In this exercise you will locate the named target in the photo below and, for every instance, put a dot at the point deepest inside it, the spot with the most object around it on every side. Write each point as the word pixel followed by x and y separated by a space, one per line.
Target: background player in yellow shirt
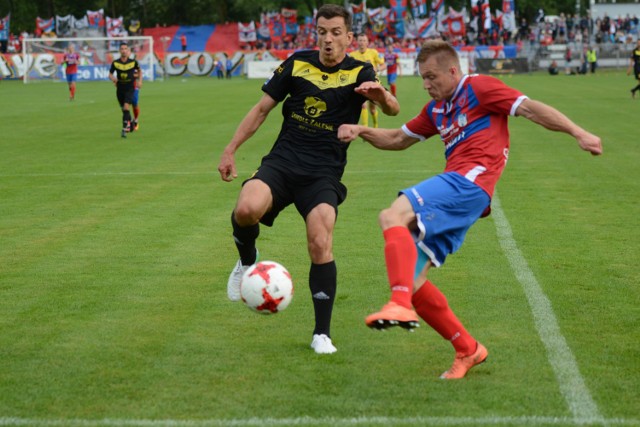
pixel 365 54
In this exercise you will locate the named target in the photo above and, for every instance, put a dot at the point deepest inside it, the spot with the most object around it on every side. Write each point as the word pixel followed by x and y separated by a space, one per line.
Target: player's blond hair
pixel 443 51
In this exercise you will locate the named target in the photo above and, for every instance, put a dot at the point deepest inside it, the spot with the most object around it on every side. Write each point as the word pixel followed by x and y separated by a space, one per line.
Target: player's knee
pixel 246 215
pixel 389 218
pixel 320 249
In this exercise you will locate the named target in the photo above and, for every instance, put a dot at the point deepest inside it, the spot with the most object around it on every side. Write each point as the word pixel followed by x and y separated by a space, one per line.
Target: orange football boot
pixel 461 365
pixel 393 314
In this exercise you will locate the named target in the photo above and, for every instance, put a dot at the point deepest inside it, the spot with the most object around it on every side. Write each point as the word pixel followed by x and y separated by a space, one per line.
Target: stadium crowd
pixel 543 31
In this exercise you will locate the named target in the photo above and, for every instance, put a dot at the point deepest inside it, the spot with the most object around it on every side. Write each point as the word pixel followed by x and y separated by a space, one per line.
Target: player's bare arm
pixel 552 119
pixel 247 127
pixel 375 92
pixel 384 139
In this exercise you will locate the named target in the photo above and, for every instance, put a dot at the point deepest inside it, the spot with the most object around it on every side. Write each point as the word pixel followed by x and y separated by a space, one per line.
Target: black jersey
pixel 635 56
pixel 126 71
pixel 317 100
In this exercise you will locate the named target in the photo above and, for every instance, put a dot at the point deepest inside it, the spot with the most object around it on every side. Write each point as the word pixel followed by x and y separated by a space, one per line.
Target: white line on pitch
pixel 564 364
pixel 311 421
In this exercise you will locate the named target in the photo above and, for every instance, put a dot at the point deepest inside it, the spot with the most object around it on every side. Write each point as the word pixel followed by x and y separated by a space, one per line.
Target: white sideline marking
pixel 564 365
pixel 308 421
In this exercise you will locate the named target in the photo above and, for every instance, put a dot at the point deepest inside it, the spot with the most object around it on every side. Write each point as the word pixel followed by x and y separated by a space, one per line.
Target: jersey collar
pixel 449 104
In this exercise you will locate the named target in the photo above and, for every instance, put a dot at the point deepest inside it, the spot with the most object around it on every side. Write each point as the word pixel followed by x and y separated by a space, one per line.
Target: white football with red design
pixel 266 287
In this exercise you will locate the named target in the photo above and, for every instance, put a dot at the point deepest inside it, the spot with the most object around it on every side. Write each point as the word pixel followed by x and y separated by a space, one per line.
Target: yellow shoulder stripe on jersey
pixel 323 80
pixel 124 67
pixel 370 55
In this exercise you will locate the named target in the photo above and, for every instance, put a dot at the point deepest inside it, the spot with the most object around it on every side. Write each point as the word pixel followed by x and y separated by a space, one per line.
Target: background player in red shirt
pixel 428 221
pixel 391 61
pixel 71 60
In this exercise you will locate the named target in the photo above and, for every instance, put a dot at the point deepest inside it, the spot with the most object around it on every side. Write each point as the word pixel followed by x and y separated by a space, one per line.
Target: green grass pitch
pixel 114 257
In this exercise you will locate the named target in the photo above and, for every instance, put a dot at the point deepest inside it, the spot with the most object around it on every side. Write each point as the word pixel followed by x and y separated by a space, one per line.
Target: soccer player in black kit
pixel 321 90
pixel 634 64
pixel 126 71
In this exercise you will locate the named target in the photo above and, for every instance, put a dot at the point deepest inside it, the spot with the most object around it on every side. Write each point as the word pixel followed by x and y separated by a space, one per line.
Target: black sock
pixel 635 89
pixel 323 283
pixel 126 119
pixel 245 238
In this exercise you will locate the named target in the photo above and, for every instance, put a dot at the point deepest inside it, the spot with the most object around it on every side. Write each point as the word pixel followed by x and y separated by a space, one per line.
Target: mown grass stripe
pixel 310 421
pixel 565 367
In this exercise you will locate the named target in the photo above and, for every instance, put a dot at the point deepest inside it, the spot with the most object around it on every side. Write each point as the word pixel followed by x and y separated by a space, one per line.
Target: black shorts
pixel 305 191
pixel 636 72
pixel 125 94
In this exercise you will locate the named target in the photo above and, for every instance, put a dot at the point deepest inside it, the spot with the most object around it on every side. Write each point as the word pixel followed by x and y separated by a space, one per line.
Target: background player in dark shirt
pixel 634 64
pixel 321 90
pixel 123 73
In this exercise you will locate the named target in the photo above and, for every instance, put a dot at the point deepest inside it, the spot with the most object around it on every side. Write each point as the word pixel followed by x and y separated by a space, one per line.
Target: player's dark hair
pixel 329 11
pixel 123 43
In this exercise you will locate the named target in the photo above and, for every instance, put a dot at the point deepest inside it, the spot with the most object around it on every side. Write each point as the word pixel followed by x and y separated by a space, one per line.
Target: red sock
pixel 136 113
pixel 400 254
pixel 432 306
pixel 393 89
pixel 73 91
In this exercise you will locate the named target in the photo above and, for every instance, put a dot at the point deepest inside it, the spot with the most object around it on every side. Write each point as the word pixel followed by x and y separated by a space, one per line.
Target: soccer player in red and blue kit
pixel 71 60
pixel 429 220
pixel 391 61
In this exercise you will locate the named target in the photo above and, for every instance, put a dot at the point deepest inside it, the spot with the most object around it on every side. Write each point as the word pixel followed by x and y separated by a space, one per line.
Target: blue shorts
pixel 72 77
pixel 446 206
pixel 392 78
pixel 136 93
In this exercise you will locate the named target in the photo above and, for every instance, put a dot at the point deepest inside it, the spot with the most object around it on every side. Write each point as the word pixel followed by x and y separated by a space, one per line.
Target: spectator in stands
pixel 562 28
pixel 553 68
pixel 523 30
pixel 306 164
pixel 183 42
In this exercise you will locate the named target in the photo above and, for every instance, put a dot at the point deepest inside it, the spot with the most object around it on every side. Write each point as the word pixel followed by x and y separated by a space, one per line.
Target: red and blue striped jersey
pixel 72 60
pixel 473 127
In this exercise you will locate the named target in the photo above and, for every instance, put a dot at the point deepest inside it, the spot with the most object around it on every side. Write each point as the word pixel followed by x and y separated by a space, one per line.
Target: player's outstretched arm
pixel 552 119
pixel 247 127
pixel 375 92
pixel 384 139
